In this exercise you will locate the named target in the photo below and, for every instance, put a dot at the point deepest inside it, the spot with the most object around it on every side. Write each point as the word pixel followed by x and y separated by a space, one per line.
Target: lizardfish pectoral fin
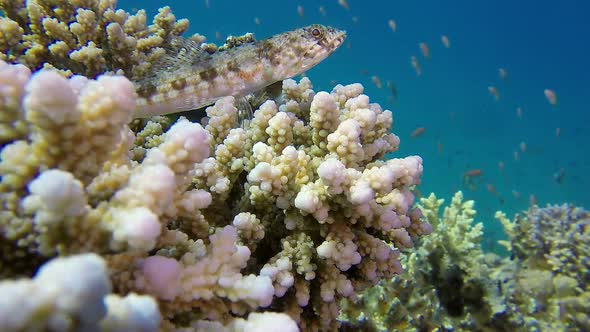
pixel 268 74
pixel 245 113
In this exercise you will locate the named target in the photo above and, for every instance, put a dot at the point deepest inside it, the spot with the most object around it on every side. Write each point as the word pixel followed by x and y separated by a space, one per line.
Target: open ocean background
pixel 542 44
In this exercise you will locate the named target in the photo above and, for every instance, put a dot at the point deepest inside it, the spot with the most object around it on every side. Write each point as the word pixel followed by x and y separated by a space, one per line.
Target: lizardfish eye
pixel 316 32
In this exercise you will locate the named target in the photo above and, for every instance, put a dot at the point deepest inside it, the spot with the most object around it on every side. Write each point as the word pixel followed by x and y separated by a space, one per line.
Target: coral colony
pixel 286 221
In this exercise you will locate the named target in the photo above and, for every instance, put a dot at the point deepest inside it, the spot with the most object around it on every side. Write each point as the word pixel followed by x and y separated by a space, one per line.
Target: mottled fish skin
pixel 192 78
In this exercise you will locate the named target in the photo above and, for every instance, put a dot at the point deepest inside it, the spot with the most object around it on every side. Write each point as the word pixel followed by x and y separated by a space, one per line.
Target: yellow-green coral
pixel 84 37
pixel 548 280
pixel 450 284
pixel 444 285
pixel 12 124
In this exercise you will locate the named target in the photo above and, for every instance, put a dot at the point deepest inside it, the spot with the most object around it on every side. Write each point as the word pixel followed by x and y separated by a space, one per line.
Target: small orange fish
pixel 344 4
pixel 416 65
pixel 392 88
pixel 519 112
pixel 523 147
pixel 516 157
pixel 494 92
pixel 300 11
pixel 392 25
pixel 473 173
pixel 503 73
pixel 377 81
pixel 501 166
pixel 490 187
pixel 425 50
pixel 417 132
pixel 557 132
pixel 322 11
pixel 470 176
pixel 445 41
pixel 559 175
pixel 551 96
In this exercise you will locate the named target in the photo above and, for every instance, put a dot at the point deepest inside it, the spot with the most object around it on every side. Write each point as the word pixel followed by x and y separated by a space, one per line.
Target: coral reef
pixel 85 37
pixel 225 227
pixel 444 287
pixel 450 284
pixel 547 278
pixel 290 219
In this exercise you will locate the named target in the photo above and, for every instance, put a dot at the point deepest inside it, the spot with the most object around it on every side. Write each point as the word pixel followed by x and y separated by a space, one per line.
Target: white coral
pixel 138 227
pixel 55 195
pixel 185 144
pixel 217 273
pixel 131 313
pixel 68 294
pixel 50 98
pixel 333 174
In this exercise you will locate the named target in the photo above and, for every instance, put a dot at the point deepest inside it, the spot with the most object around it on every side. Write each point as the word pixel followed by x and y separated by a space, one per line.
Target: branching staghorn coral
pixel 286 216
pixel 450 284
pixel 85 37
pixel 548 279
pixel 445 284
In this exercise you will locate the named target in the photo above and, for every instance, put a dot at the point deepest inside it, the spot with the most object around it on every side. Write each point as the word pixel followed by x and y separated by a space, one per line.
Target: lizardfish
pixel 190 78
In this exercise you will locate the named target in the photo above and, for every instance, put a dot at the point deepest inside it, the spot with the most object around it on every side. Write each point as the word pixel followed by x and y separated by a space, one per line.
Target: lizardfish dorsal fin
pixel 181 53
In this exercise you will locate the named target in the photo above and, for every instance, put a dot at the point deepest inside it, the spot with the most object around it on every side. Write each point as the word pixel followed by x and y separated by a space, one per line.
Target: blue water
pixel 542 44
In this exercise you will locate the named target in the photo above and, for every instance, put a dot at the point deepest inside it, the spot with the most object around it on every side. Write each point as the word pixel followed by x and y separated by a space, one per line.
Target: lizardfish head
pixel 297 51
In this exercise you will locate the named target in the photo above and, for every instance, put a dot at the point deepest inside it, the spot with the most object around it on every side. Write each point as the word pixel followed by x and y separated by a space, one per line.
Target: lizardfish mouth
pixel 336 38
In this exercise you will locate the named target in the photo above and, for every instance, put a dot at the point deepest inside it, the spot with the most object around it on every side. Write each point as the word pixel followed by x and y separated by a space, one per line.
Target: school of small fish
pixel 425 50
pixel 445 40
pixel 392 25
